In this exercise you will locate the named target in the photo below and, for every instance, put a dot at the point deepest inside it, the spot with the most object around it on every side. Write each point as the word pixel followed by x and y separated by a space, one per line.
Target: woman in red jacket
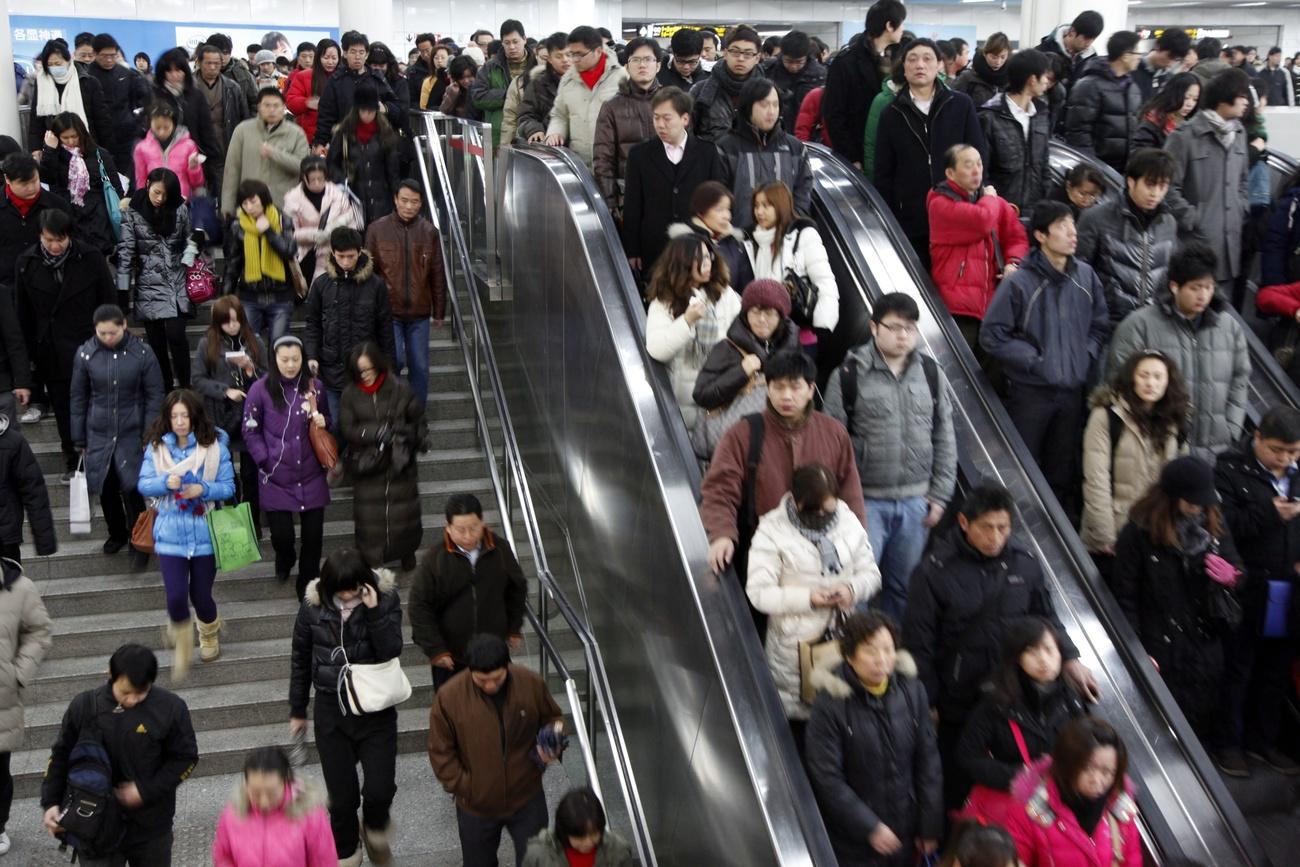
pixel 307 85
pixel 808 125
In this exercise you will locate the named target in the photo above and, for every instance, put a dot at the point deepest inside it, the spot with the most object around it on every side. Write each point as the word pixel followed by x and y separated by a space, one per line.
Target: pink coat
pixel 340 210
pixel 1048 835
pixel 295 835
pixel 149 155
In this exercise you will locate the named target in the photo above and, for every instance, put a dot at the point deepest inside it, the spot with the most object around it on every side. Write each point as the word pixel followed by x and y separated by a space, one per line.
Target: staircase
pixel 240 700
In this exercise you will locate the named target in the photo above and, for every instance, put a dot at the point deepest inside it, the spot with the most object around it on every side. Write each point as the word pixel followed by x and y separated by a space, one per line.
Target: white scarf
pixel 207 457
pixel 49 102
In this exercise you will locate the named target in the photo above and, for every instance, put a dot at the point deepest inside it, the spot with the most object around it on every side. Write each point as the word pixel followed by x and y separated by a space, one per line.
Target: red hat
pixel 766 293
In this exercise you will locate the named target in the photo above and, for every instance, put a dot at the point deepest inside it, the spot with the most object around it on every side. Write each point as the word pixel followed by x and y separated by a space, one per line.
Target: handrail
pixel 597 683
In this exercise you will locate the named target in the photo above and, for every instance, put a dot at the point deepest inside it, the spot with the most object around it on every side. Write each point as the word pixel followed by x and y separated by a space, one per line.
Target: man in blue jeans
pixel 408 255
pixel 895 404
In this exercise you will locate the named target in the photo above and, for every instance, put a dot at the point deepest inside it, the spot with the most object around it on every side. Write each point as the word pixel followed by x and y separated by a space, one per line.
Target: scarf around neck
pixel 204 460
pixel 1193 538
pixel 50 101
pixel 820 538
pixel 55 263
pixel 592 76
pixel 366 131
pixel 24 206
pixel 1224 130
pixel 78 176
pixel 260 258
pixel 374 386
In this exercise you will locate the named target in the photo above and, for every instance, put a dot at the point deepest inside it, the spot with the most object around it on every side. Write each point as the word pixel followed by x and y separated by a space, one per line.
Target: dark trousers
pixel 480 838
pixel 121 508
pixel 246 488
pixel 343 742
pixel 1256 682
pixel 166 335
pixel 12 551
pixel 189 580
pixel 60 395
pixel 6 790
pixel 155 851
pixel 282 540
pixel 956 783
pixel 1050 421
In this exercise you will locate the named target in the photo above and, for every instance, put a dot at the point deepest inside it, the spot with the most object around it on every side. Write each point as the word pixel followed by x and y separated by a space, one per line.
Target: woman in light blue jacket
pixel 186 467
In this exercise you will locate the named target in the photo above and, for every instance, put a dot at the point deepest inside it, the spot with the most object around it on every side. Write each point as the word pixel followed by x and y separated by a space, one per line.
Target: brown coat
pixel 818 439
pixel 409 258
pixel 623 122
pixel 465 742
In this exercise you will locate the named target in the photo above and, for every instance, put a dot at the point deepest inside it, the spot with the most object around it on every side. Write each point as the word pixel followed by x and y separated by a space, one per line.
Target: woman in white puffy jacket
pixel 799 249
pixel 810 556
pixel 691 308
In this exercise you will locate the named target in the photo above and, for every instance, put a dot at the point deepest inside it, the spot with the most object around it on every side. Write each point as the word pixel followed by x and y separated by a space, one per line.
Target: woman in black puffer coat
pixel 358 609
pixel 986 77
pixel 365 154
pixel 72 143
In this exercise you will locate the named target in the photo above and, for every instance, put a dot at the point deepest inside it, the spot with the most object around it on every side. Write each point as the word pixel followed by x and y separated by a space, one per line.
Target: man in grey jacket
pixel 895 404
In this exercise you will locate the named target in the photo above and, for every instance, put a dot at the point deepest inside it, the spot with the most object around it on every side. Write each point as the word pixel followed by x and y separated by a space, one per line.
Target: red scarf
pixel 591 76
pixel 24 206
pixel 366 131
pixel 371 389
pixel 578 859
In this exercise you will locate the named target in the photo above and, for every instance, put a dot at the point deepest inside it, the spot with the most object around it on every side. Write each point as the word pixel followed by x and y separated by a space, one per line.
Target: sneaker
pixel 1277 760
pixel 4 843
pixel 1232 762
pixel 112 546
pixel 31 416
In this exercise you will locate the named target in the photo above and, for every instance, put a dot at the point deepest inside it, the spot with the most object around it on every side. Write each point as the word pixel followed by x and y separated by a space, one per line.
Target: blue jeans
pixel 335 400
pixel 276 316
pixel 411 346
pixel 897 532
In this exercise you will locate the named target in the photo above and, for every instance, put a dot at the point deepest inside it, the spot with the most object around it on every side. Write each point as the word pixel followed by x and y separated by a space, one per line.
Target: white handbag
pixel 371 687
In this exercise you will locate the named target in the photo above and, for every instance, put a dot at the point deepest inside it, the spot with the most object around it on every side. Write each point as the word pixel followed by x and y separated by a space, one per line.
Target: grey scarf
pixel 55 263
pixel 1193 538
pixel 1224 130
pixel 820 536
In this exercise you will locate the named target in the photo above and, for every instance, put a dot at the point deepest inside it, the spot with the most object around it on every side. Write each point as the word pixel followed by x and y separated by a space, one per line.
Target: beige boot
pixel 180 636
pixel 209 642
pixel 353 860
pixel 379 843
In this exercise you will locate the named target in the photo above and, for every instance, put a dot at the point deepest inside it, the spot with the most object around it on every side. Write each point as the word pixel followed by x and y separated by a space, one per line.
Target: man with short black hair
pixel 1102 112
pixel 419 70
pixel 593 80
pixel 625 120
pixel 960 58
pixel 856 76
pixel 237 70
pixel 683 70
pixel 125 93
pixel 1274 82
pixel 1017 127
pixel 716 96
pixel 264 148
pixel 1073 41
pixel 340 90
pixel 1210 62
pixel 483 39
pixel 709 50
pixel 796 72
pixel 1170 50
pixel 83 50
pixel 488 94
pixel 539 92
pixel 225 100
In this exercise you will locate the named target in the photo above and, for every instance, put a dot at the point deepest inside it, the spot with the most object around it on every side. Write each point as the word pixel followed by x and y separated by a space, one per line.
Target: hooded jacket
pixel 800 250
pixel 345 308
pixel 26 631
pixel 752 159
pixel 968 232
pixel 722 378
pixel 546 850
pixel 409 258
pixel 1017 168
pixel 855 72
pixel 988 751
pixel 1212 354
pixel 244 160
pixel 181 527
pixel 715 101
pixel 312 227
pixel 785 569
pixel 1047 327
pixel 56 311
pixel 338 95
pixel 623 123
pixel 671 341
pixel 980 81
pixel 792 87
pixel 150 155
pixel 1101 114
pixel 1047 832
pixel 1130 251
pixel 1208 195
pixel 295 834
pixel 155 264
pixel 1053 43
pixel 577 107
pixel 290 478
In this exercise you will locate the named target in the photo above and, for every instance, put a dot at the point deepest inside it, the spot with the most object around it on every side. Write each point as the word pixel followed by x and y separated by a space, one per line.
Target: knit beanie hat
pixel 766 293
pixel 266 55
pixel 366 96
pixel 1191 479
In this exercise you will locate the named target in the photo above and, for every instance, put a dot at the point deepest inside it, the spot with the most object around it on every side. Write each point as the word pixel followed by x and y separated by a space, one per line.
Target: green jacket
pixel 244 159
pixel 545 850
pixel 888 90
pixel 488 92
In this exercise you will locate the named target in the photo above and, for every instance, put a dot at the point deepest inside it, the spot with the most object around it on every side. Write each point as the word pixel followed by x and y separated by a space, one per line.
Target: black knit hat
pixel 1190 479
pixel 366 96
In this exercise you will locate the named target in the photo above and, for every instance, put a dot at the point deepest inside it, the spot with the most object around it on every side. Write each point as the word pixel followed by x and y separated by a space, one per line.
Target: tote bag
pixel 234 542
pixel 370 687
pixel 819 654
pixel 79 502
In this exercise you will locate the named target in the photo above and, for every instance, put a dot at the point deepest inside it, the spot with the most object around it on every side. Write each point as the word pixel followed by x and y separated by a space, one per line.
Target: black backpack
pixel 849 388
pixel 91 818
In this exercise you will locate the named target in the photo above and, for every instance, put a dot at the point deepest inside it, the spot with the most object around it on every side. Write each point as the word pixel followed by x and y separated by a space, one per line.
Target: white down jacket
pixel 673 342
pixel 809 261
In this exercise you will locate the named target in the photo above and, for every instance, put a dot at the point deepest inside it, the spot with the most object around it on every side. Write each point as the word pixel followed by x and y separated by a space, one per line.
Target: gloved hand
pixel 1221 571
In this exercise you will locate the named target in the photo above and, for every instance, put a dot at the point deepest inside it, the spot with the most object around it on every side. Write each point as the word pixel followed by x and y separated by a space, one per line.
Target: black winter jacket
pixel 57 312
pixel 1101 114
pixel 722 377
pixel 874 760
pixel 954 640
pixel 715 102
pixel 1130 252
pixel 451 601
pixel 535 108
pixel 854 78
pixel 18 232
pixel 344 309
pixel 792 87
pixel 371 171
pixel 988 751
pixel 211 382
pixel 266 291
pixel 92 217
pixel 22 489
pixel 980 81
pixel 151 745
pixel 670 77
pixel 1149 134
pixel 730 247
pixel 1017 169
pixel 657 194
pixel 336 101
pixel 99 123
pixel 751 159
pixel 125 91
pixel 15 367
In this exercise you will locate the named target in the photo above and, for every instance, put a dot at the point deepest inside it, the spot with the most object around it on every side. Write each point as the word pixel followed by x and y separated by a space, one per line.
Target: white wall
pixel 316 13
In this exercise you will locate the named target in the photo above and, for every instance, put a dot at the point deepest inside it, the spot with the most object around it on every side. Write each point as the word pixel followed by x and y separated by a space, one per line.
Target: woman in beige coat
pixel 1137 424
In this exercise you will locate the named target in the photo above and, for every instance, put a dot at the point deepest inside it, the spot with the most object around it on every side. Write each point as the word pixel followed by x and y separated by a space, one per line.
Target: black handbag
pixel 803 292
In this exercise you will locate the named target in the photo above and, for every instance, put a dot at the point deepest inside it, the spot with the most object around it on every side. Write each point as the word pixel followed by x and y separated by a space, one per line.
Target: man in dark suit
pixel 662 174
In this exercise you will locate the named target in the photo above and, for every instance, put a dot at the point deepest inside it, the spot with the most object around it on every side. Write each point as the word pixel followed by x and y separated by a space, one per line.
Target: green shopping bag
pixel 234 543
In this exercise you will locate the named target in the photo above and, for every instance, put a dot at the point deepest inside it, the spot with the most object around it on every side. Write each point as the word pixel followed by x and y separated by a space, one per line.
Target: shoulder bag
pixel 322 441
pixel 710 425
pixel 142 532
pixel 819 653
pixel 112 201
pixel 370 687
pixel 803 291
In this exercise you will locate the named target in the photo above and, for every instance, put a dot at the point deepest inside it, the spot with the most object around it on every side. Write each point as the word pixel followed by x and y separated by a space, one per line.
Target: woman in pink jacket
pixel 1076 808
pixel 169 146
pixel 273 820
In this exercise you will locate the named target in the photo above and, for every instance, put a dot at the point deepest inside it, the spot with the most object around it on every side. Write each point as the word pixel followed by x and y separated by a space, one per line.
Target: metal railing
pixel 471 331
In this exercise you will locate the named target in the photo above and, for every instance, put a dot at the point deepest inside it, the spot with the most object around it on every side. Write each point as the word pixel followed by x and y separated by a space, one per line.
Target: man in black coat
pixel 662 175
pixel 469 584
pixel 796 73
pixel 336 99
pixel 21 206
pixel 716 97
pixel 126 93
pixel 1073 41
pixel 1101 114
pixel 855 77
pixel 683 69
pixel 1257 481
pixel 916 129
pixel 22 489
pixel 1017 164
pixel 151 747
pixel 1171 47
pixel 421 69
pixel 972 581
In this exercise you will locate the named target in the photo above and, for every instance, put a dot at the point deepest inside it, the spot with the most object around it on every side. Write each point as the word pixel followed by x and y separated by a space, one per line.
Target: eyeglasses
pixel 1087 197
pixel 907 328
pixel 575 56
pixel 742 53
pixel 642 60
pixel 686 62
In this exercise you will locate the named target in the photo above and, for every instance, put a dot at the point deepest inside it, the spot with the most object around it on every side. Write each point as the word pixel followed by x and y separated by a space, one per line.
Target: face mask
pixel 817 520
pixel 60 73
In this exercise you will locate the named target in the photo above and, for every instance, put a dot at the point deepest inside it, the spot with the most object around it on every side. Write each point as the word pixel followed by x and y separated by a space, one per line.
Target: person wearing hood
pixel 186 469
pixel 488 93
pixel 26 635
pixel 1047 327
pixel 168 145
pixel 757 152
pixel 860 69
pixel 1074 41
pixel 174 87
pixel 1103 110
pixel 274 819
pixel 987 75
pixel 1018 126
pixel 1071 807
pixel 539 91
pixel 264 148
pixel 710 220
pixel 683 69
pixel 717 96
pixel 581 836
pixel 339 96
pixel 1190 324
pixel 315 208
pixel 365 154
pixel 796 73
pixel 61 87
pixel 593 79
pixel 871 753
pixel 916 129
pixel 358 608
pixel 625 121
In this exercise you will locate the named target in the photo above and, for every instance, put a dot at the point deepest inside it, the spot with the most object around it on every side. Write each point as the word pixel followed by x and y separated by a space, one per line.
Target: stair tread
pixel 84 624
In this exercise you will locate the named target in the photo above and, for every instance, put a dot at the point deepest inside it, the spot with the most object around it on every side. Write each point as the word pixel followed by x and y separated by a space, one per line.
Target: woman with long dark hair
pixel 711 205
pixel 173 84
pixel 61 87
pixel 76 168
pixel 306 85
pixel 186 468
pixel 1171 105
pixel 365 153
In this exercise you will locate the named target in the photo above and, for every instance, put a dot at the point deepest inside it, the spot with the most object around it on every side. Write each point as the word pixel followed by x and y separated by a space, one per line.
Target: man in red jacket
pixel 976 239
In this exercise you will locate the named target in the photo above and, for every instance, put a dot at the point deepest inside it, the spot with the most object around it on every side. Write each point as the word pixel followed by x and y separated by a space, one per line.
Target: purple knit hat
pixel 766 293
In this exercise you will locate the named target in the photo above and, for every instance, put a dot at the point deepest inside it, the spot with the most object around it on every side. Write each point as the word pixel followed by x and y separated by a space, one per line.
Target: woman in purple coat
pixel 290 480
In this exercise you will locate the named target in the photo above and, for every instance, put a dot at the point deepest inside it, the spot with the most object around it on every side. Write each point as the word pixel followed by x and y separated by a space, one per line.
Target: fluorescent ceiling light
pixel 1244 5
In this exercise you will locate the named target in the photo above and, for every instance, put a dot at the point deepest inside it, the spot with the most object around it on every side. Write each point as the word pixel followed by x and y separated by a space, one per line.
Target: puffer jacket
pixel 964 229
pixel 715 102
pixel 1047 327
pixel 623 122
pixel 409 258
pixel 792 87
pixel 1208 194
pixel 576 107
pixel 212 380
pixel 904 447
pixel 1212 355
pixel 809 260
pixel 1101 114
pixel 344 309
pixel 752 159
pixel 56 312
pixel 93 223
pixel 155 265
pixel 116 394
pixel 1130 251
pixel 1116 478
pixel 547 850
pixel 290 478
pixel 337 209
pixel 535 108
pixel 339 93
pixel 1276 263
pixel 988 751
pixel 671 341
pixel 150 155
pixel 22 489
pixel 370 635
pixel 785 568
pixel 295 834
pixel 26 634
pixel 873 760
pixel 1047 834
pixel 371 171
pixel 1017 169
pixel 722 378
pixel 980 81
pixel 181 527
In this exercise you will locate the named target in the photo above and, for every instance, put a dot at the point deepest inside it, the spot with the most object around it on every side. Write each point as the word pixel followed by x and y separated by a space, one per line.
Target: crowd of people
pixel 905 627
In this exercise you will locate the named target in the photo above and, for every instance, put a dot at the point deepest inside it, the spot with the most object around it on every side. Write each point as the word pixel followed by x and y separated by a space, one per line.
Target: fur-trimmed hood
pixel 364 271
pixel 828 677
pixel 301 797
pixel 681 230
pixel 1034 788
pixel 387 582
